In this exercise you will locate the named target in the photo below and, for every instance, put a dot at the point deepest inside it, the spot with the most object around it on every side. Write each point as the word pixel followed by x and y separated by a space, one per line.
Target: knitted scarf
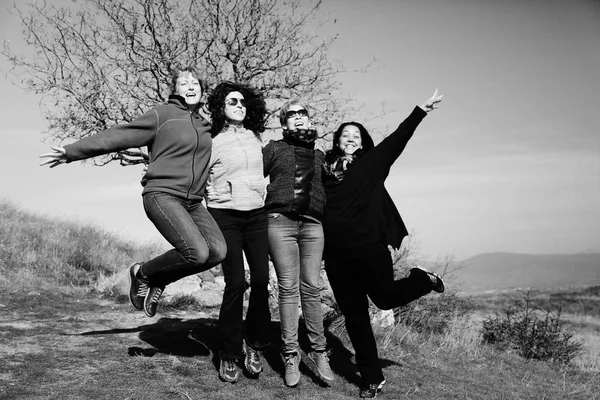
pixel 301 137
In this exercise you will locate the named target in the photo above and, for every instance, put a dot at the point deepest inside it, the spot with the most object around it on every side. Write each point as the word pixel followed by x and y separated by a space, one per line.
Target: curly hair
pixel 256 109
pixel 335 151
pixel 178 71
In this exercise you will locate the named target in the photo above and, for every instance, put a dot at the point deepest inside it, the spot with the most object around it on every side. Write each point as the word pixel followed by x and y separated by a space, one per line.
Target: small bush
pixel 534 333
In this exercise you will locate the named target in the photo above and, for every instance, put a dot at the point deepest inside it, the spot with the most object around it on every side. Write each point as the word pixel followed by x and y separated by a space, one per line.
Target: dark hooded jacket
pixel 359 209
pixel 179 146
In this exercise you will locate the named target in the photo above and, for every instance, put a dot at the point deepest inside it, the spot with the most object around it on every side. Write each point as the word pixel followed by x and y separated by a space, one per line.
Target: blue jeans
pixel 244 231
pixel 296 246
pixel 186 224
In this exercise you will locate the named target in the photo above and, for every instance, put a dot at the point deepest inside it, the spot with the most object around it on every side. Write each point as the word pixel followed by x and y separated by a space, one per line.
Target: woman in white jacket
pixel 235 198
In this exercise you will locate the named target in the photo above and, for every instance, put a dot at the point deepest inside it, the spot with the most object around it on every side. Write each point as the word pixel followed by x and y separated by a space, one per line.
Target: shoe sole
pixel 148 313
pixel 294 384
pixel 247 366
pixel 326 379
pixel 227 380
pixel 146 308
pixel 436 287
pixel 131 276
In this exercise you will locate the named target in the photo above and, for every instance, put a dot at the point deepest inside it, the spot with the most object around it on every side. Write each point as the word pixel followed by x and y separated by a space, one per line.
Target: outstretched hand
pixel 433 102
pixel 57 157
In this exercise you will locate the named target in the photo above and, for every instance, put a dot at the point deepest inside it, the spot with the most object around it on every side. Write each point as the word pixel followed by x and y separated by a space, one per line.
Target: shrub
pixel 534 333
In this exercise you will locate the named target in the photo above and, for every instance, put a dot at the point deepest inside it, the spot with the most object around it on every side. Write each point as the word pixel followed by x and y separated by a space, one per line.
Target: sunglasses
pixel 299 113
pixel 233 101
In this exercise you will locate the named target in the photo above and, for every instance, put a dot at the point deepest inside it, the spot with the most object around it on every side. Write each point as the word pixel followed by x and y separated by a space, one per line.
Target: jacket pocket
pixel 250 191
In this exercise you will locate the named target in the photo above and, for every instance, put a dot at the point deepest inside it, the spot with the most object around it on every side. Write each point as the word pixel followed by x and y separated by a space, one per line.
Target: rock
pixel 383 318
pixel 207 292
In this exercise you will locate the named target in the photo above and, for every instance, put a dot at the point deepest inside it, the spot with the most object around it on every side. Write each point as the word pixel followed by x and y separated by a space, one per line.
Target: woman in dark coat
pixel 360 221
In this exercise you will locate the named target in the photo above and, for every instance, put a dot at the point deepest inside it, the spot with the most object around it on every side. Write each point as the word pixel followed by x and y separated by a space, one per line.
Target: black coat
pixel 359 210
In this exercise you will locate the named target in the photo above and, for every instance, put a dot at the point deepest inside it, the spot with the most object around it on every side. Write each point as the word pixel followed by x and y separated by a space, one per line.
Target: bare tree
pixel 104 62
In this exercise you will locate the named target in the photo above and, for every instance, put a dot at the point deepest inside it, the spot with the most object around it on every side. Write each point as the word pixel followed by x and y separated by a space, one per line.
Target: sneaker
pixel 151 300
pixel 137 287
pixel 228 371
pixel 437 284
pixel 252 361
pixel 292 370
pixel 370 391
pixel 321 360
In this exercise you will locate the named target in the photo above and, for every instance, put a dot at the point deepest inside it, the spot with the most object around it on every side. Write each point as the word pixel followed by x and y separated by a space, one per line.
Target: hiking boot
pixel 151 300
pixel 252 361
pixel 437 284
pixel 292 370
pixel 321 360
pixel 137 287
pixel 370 391
pixel 228 371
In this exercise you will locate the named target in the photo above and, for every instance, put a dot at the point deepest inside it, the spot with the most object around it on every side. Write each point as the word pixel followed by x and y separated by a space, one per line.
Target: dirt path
pixel 68 344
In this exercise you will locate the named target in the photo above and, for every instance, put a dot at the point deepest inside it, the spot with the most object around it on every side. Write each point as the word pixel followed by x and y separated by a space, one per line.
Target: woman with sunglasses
pixel 360 221
pixel 235 198
pixel 179 145
pixel 295 203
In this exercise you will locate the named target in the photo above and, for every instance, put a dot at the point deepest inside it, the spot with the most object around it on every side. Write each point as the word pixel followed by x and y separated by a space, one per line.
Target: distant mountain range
pixel 504 271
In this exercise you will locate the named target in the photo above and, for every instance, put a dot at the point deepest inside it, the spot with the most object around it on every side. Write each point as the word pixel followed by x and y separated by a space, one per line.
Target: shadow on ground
pixel 200 338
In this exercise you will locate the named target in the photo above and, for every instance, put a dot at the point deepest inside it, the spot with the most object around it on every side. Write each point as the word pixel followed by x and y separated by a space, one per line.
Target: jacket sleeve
pixel 267 158
pixel 383 156
pixel 139 132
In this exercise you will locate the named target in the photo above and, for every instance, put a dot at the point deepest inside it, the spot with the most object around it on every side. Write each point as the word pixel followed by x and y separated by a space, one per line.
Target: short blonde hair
pixel 286 107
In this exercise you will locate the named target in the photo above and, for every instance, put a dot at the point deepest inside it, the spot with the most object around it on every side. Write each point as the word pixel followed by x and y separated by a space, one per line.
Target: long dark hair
pixel 256 109
pixel 335 152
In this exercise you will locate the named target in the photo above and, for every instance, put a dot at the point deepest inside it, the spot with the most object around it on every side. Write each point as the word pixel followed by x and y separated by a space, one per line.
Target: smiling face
pixel 235 108
pixel 350 139
pixel 297 118
pixel 188 87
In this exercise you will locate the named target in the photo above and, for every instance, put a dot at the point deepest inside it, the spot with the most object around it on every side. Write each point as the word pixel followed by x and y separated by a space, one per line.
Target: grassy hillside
pixel 65 341
pixel 37 250
pixel 499 271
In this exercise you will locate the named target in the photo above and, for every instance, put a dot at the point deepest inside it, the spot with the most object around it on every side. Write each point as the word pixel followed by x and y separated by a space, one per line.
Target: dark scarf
pixel 300 137
pixel 336 165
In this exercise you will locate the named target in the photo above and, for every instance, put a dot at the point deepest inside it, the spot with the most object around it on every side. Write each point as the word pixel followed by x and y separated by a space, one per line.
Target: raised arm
pixel 432 103
pixel 385 153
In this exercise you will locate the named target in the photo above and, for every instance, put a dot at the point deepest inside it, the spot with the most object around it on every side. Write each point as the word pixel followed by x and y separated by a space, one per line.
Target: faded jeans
pixel 296 247
pixel 186 224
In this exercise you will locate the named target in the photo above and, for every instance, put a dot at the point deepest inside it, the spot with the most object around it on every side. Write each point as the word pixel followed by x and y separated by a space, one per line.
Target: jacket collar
pixel 179 102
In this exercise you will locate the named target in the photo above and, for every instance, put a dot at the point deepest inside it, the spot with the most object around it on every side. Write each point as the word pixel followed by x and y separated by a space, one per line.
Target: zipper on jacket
pixel 193 155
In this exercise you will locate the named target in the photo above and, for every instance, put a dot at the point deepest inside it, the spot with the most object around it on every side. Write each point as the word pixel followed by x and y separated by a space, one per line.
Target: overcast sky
pixel 509 162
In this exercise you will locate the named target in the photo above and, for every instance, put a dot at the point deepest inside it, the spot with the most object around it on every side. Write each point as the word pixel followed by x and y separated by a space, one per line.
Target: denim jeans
pixel 357 272
pixel 296 246
pixel 244 231
pixel 186 224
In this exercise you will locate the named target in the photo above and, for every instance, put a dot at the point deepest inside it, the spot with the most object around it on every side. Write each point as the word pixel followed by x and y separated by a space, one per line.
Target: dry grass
pixel 65 344
pixel 35 250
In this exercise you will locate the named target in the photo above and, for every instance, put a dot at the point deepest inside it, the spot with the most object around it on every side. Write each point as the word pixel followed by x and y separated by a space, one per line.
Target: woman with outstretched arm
pixel 179 145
